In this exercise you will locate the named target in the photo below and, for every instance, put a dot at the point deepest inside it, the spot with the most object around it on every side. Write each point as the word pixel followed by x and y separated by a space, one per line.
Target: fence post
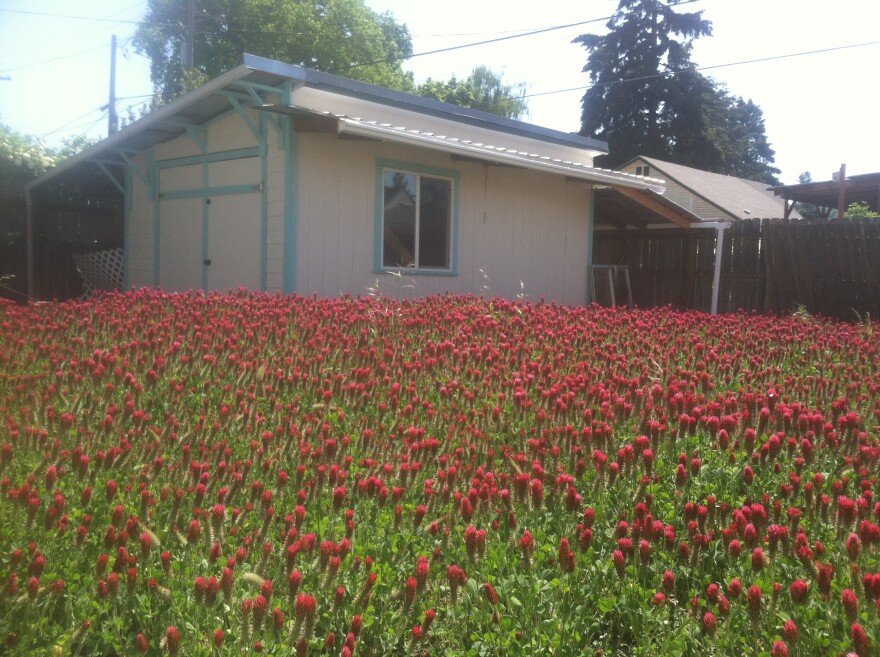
pixel 716 277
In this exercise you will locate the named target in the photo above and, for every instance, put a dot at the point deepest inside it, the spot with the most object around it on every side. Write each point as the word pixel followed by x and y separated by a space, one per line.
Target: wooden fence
pixel 60 231
pixel 828 267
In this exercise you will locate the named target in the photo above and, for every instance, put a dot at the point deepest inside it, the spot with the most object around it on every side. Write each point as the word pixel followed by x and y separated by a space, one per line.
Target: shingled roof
pixel 734 198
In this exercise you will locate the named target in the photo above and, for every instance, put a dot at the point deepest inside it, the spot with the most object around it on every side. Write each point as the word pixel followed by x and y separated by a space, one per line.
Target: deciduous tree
pixel 335 36
pixel 483 90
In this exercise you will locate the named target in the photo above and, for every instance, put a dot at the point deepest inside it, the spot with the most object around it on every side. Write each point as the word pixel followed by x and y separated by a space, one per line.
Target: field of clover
pixel 227 474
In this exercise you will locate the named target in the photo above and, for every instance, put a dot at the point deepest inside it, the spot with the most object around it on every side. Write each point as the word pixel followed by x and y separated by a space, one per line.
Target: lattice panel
pixel 100 271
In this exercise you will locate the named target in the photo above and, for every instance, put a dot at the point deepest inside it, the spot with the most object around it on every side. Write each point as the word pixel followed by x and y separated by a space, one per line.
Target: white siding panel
pixel 175 179
pixel 180 245
pixel 275 217
pixel 234 242
pixel 182 146
pixel 516 225
pixel 141 232
pixel 230 132
pixel 245 171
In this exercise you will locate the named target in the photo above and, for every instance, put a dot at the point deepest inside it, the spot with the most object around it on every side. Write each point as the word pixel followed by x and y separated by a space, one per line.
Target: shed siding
pixel 515 225
pixel 140 230
pixel 275 225
pixel 179 249
pixel 527 231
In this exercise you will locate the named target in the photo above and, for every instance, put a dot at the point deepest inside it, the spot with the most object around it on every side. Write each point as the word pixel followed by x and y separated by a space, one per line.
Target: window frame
pixel 382 166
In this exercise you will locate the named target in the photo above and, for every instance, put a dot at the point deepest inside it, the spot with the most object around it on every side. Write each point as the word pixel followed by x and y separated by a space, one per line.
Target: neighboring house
pixel 711 196
pixel 833 195
pixel 279 178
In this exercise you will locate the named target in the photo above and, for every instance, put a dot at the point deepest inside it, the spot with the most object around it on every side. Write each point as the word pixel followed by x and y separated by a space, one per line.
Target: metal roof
pixel 493 153
pixel 208 102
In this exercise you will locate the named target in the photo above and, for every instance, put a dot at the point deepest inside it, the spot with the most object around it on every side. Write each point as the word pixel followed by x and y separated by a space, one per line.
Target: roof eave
pixel 152 119
pixel 403 100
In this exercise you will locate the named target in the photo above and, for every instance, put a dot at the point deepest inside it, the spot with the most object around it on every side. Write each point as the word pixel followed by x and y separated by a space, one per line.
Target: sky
pixel 811 67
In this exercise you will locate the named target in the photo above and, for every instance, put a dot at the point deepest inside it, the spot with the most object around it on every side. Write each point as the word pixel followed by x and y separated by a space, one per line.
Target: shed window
pixel 643 171
pixel 416 220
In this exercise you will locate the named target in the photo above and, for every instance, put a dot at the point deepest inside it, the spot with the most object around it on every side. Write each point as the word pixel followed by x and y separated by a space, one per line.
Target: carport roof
pixel 863 188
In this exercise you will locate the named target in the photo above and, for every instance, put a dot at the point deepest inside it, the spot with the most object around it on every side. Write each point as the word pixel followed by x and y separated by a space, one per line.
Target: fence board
pixel 827 266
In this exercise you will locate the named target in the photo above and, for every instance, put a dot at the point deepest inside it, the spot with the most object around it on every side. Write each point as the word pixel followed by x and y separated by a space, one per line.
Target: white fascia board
pixel 332 104
pixel 501 155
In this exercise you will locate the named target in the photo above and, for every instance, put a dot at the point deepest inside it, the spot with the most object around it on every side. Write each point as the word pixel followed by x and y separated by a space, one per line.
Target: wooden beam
pixel 654 205
pixel 328 125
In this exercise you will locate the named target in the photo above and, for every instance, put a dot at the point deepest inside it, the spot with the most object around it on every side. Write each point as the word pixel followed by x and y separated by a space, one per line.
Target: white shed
pixel 278 178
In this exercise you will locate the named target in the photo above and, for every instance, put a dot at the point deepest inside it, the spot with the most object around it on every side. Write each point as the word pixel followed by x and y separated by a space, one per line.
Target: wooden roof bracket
pixel 652 204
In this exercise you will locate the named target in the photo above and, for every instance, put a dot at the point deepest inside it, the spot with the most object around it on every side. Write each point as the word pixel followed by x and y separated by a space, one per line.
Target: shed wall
pixel 528 232
pixel 520 233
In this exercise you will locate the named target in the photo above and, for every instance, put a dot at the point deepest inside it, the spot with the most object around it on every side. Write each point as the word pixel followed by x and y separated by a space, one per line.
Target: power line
pixel 67 125
pixel 707 68
pixel 55 59
pixel 68 35
pixel 68 16
pixel 498 39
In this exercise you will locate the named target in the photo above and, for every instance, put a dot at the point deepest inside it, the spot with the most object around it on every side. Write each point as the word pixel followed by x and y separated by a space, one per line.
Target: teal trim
pixel 199 134
pixel 219 156
pixel 126 230
pixel 378 218
pixel 223 190
pixel 397 165
pixel 206 224
pixel 591 227
pixel 153 190
pixel 157 223
pixel 242 112
pixel 111 178
pixel 291 206
pixel 264 202
pixel 133 168
pixel 277 127
pixel 255 87
pixel 406 271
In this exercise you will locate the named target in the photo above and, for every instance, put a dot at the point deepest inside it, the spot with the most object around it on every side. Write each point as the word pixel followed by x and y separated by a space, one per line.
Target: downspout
pixel 29 239
pixel 719 252
pixel 591 227
pixel 720 227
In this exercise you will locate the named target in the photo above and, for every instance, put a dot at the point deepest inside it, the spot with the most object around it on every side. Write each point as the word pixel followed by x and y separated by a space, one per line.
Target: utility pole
pixel 112 118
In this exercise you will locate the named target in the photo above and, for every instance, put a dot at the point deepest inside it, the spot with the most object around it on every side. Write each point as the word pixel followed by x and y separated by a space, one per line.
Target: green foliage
pixel 338 36
pixel 482 90
pixel 23 157
pixel 646 98
pixel 344 37
pixel 860 210
pixel 807 210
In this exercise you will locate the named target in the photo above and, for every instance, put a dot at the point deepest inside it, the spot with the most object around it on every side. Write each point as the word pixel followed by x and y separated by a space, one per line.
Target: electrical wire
pixel 69 16
pixel 67 36
pixel 54 59
pixel 68 124
pixel 692 69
